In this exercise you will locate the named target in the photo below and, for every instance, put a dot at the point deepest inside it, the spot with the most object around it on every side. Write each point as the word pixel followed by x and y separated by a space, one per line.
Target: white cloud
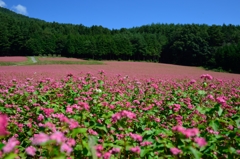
pixel 2 4
pixel 20 9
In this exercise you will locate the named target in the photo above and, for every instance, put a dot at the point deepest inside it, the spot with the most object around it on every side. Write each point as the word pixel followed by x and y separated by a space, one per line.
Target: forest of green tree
pixel 213 47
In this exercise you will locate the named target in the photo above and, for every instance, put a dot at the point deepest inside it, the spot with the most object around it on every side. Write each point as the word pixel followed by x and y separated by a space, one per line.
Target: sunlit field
pixel 118 110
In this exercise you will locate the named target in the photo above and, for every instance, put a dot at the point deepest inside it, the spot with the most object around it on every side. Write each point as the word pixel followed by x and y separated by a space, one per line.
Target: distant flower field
pixel 130 110
pixel 13 59
pixel 58 59
pixel 112 68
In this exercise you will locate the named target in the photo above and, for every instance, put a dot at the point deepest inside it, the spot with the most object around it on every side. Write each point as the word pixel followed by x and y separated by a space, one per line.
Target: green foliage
pixel 214 47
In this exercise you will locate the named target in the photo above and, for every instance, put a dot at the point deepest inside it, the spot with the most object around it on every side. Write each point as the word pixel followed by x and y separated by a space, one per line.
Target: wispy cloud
pixel 2 4
pixel 20 9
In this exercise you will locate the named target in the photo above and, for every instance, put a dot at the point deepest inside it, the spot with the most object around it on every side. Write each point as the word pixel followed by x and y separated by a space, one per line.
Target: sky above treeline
pixel 116 14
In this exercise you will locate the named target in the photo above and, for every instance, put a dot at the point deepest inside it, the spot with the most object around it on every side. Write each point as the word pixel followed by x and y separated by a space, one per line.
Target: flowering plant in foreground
pixel 101 117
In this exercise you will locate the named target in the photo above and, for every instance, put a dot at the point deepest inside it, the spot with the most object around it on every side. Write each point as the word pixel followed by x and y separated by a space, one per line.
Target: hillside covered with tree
pixel 185 44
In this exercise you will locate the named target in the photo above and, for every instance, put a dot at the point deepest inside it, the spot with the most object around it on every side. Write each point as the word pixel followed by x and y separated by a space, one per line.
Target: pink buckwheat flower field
pixel 13 59
pixel 59 59
pixel 118 110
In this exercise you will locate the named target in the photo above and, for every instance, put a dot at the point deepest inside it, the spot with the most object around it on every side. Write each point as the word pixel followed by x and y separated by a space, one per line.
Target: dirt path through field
pixel 33 59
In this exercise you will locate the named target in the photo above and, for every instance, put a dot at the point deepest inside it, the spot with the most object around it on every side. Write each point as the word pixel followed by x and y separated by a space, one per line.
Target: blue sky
pixel 116 14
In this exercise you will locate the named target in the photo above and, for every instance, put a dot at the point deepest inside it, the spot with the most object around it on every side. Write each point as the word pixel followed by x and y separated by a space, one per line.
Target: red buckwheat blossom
pixel 221 100
pixel 207 76
pixel 135 149
pixel 124 113
pixel 57 136
pixel 92 132
pixel 71 142
pixel 31 150
pixel 107 155
pixel 3 125
pixel 115 150
pixel 238 152
pixel 176 107
pixel 66 148
pixel 39 138
pixel 187 132
pixel 146 143
pixel 12 142
pixel 200 141
pixel 136 137
pixel 175 151
pixel 40 117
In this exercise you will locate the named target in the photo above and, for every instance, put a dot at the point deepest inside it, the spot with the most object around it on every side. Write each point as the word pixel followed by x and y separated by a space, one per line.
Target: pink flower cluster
pixel 99 149
pixel 192 81
pixel 175 151
pixel 187 132
pixel 40 117
pixel 200 141
pixel 207 76
pixel 106 155
pixel 211 131
pixel 92 132
pixel 176 107
pixel 146 143
pixel 154 85
pixel 136 149
pixel 191 132
pixel 72 123
pixel 84 105
pixel 10 145
pixel 124 113
pixel 221 100
pixel 3 125
pixel 31 150
pixel 136 137
pixel 38 139
pixel 48 111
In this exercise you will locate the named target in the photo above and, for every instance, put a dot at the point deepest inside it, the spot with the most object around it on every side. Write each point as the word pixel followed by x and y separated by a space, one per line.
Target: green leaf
pixel 60 157
pixel 144 152
pixel 30 133
pixel 195 152
pixel 232 150
pixel 86 124
pixel 102 128
pixel 237 122
pixel 78 147
pixel 1 145
pixel 169 145
pixel 79 131
pixel 201 92
pixel 200 109
pixel 120 142
pixel 210 148
pixel 220 110
pixel 128 147
pixel 108 145
pixel 85 144
pixel 214 124
pixel 2 109
pixel 100 83
pixel 11 156
pixel 148 132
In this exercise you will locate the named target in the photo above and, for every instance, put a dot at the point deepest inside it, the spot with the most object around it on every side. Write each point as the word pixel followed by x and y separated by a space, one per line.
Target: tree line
pixel 215 46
